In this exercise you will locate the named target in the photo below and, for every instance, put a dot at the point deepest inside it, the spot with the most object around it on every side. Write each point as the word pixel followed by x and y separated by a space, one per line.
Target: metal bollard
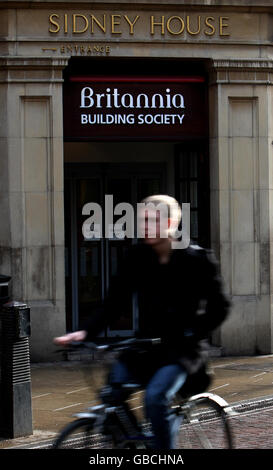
pixel 16 419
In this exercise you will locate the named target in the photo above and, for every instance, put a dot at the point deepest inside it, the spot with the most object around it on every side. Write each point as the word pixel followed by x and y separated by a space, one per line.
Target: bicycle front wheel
pixel 205 425
pixel 80 434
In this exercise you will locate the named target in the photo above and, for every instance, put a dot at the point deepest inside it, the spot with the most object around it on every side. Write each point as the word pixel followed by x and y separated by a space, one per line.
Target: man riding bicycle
pixel 180 300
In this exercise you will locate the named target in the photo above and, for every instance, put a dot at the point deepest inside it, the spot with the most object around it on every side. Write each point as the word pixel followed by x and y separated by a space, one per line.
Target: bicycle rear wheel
pixel 80 434
pixel 205 425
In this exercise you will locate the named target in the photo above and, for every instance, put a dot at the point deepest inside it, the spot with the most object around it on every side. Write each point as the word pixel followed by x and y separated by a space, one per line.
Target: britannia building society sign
pixel 151 108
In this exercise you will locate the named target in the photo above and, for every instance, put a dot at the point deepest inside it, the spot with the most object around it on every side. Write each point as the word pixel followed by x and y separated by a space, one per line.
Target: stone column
pixel 241 137
pixel 31 192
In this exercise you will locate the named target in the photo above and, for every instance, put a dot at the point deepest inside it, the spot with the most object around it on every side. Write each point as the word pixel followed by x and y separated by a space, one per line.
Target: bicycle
pixel 204 417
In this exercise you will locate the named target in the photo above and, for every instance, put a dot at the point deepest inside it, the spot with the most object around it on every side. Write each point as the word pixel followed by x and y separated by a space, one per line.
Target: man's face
pixel 153 226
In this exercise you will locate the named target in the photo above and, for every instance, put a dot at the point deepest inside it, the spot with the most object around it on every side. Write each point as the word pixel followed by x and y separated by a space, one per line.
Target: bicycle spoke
pixel 80 435
pixel 205 427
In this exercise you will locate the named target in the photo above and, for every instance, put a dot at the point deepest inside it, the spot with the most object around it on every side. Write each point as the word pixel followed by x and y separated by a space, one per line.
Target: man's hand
pixel 66 339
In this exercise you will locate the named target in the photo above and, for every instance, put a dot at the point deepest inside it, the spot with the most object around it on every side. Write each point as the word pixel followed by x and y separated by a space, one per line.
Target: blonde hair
pixel 174 210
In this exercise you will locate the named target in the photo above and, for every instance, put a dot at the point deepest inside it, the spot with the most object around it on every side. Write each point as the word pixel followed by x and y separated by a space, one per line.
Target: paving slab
pixel 61 389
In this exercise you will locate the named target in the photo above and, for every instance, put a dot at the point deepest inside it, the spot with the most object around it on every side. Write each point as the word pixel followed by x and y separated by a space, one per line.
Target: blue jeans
pixel 160 390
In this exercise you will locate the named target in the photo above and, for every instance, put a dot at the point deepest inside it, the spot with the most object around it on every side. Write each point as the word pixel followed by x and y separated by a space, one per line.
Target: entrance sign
pixel 135 108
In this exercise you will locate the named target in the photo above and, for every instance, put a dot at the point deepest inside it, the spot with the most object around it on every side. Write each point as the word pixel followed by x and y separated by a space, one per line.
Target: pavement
pixel 60 389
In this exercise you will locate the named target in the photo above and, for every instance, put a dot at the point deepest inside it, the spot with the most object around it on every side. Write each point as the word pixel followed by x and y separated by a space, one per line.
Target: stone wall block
pixel 242 215
pixel 15 162
pixel 59 288
pixel 47 322
pixel 36 122
pixel 4 110
pixel 17 218
pixel 4 171
pixel 243 163
pixel 225 216
pixel 238 332
pixel 39 273
pixel 5 232
pixel 242 118
pixel 265 164
pixel 57 181
pixel 58 218
pixel 36 164
pixel 244 264
pixel 37 219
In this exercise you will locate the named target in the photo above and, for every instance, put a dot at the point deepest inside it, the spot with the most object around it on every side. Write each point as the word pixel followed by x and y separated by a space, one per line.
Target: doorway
pixel 91 264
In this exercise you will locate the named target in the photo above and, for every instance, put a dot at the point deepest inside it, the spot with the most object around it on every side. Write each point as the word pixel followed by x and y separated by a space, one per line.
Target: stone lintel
pixel 32 69
pixel 247 71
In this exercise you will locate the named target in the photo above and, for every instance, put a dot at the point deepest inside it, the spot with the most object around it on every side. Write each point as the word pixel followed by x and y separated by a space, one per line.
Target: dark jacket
pixel 181 302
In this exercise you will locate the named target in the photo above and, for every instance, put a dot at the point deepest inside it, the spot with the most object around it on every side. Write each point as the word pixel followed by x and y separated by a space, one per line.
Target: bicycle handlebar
pixel 124 344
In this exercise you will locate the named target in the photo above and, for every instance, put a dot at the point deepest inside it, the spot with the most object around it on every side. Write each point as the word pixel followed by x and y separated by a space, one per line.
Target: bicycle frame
pixel 99 414
pixel 114 422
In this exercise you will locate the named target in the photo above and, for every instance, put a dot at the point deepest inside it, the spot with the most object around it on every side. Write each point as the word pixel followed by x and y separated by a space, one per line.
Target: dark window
pixel 192 185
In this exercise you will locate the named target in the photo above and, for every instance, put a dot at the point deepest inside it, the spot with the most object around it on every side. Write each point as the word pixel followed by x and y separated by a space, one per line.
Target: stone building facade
pixel 44 43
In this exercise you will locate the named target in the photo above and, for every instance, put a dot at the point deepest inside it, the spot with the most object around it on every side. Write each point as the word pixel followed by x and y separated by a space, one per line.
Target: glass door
pixel 92 263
